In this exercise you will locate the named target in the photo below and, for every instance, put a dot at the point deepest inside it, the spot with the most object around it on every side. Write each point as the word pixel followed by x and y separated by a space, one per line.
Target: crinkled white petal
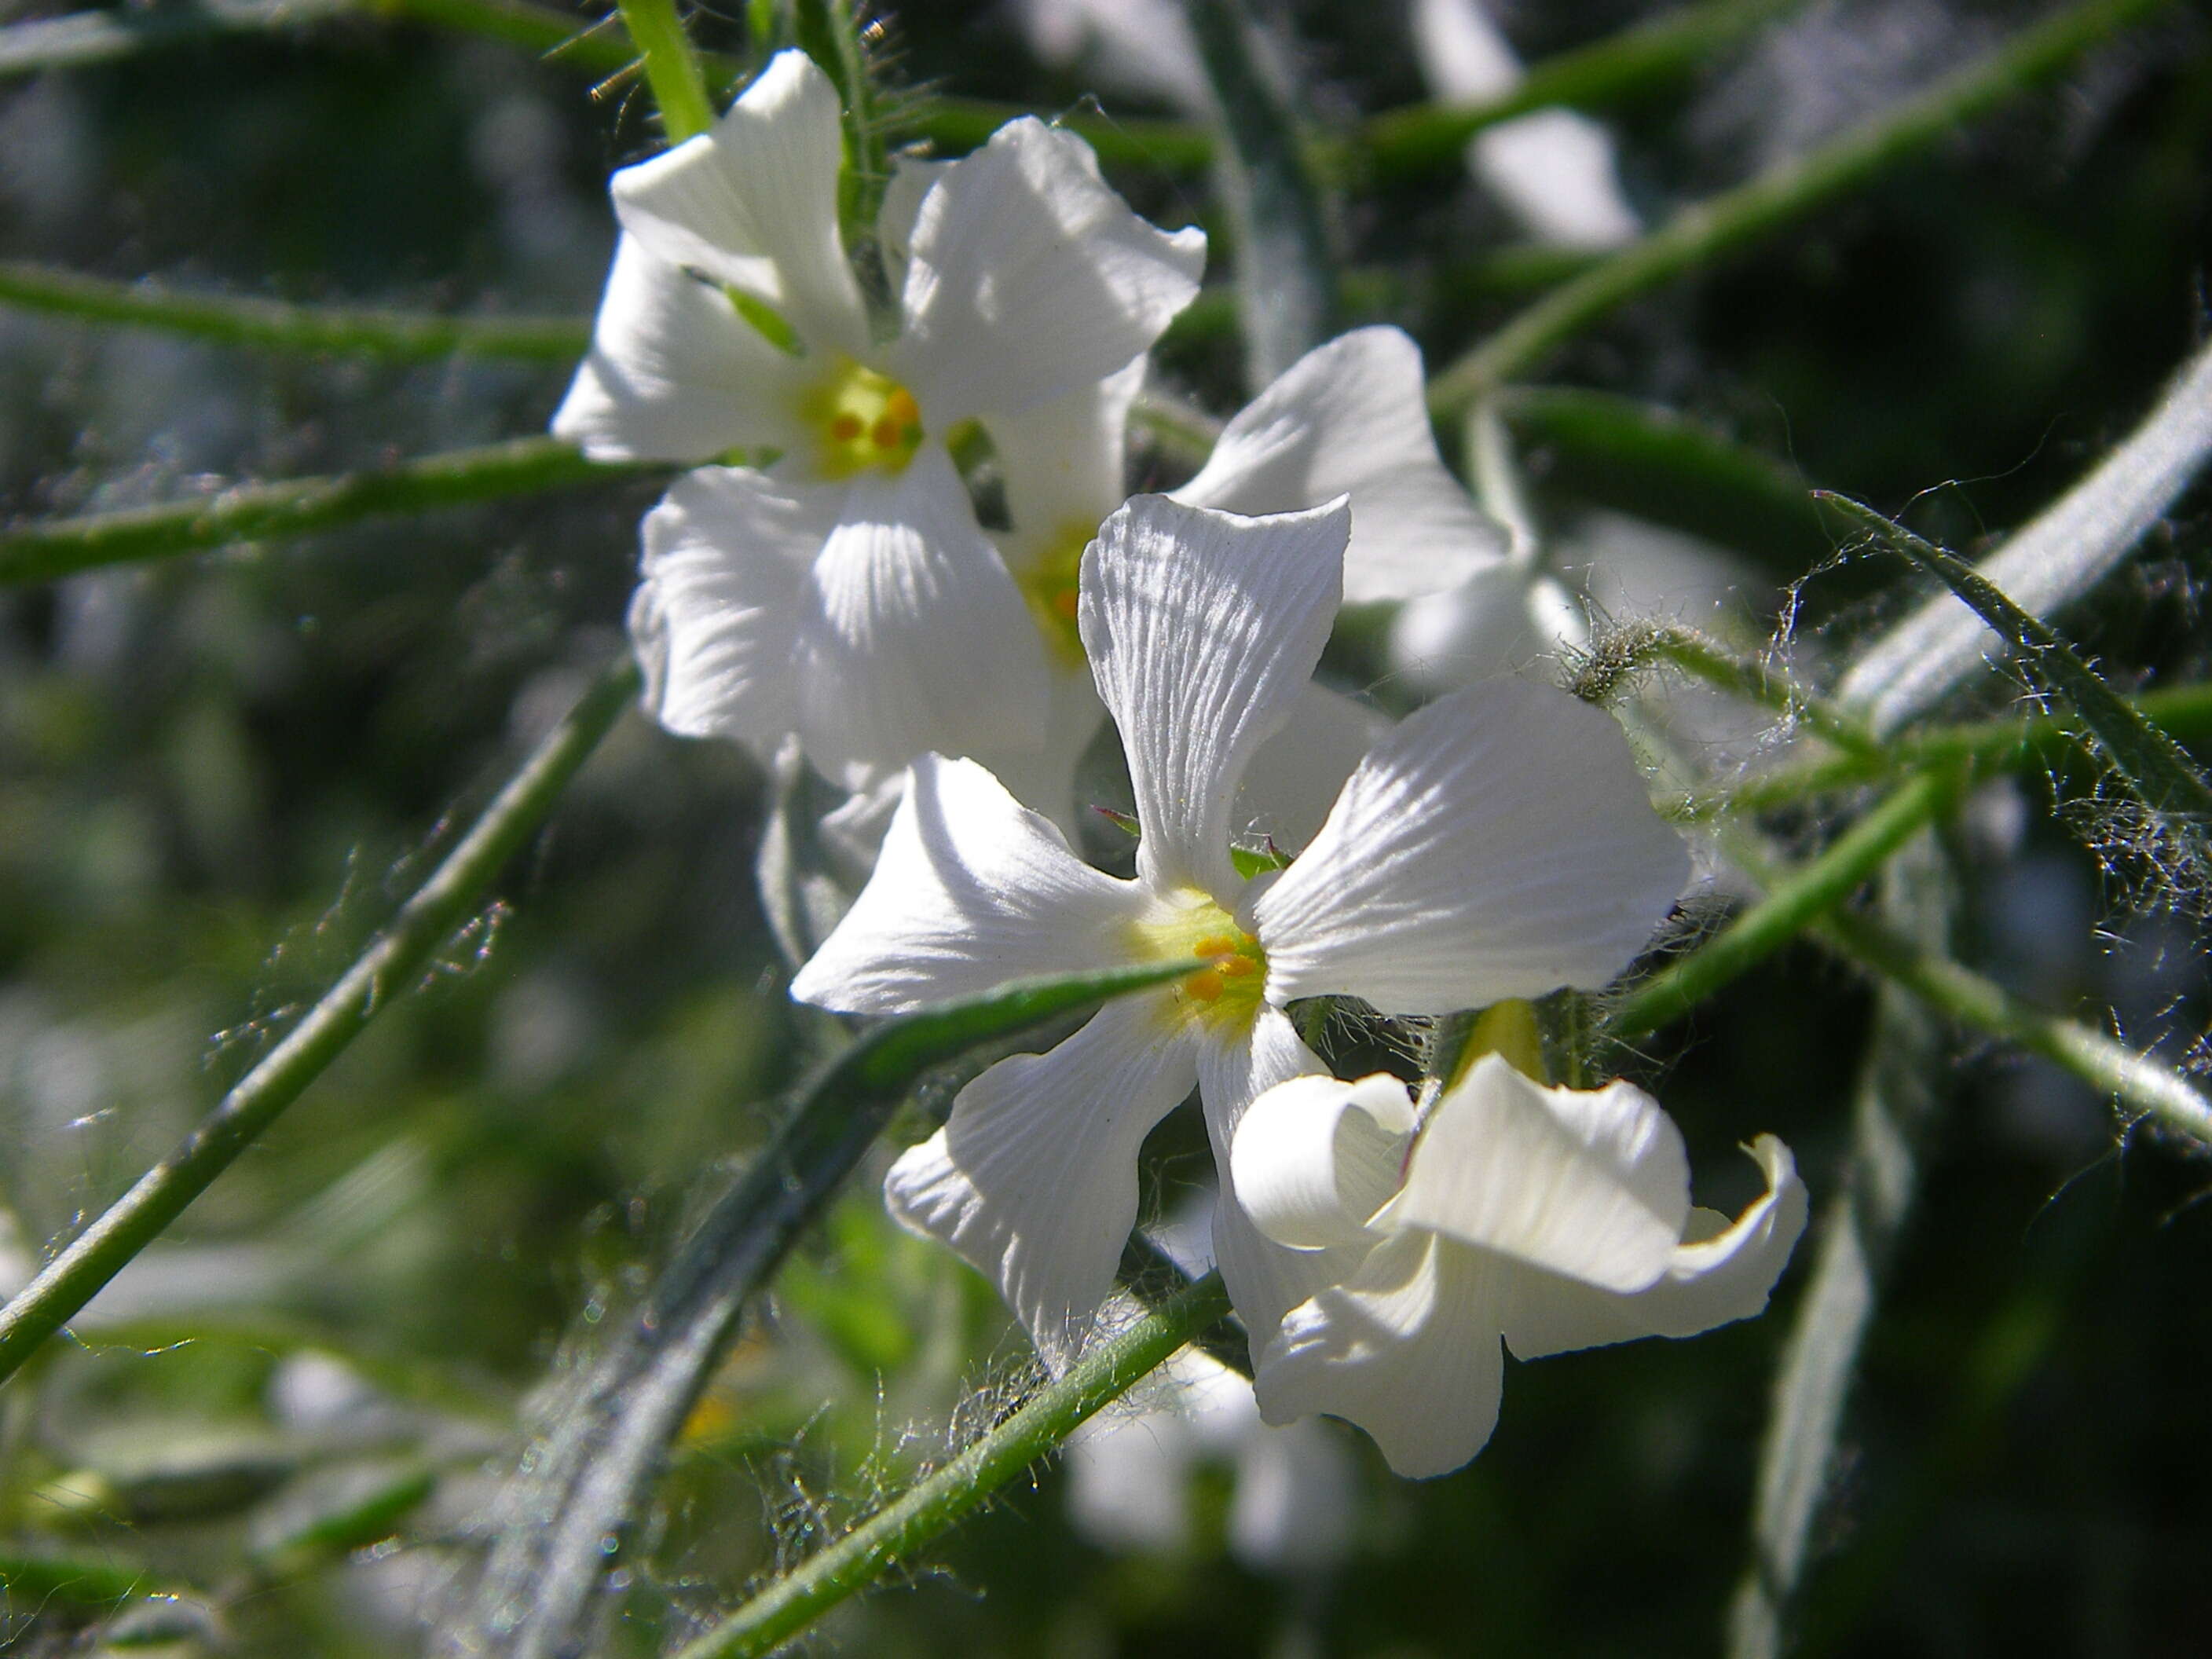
pixel 753 202
pixel 1556 170
pixel 1295 776
pixel 1028 277
pixel 1406 1347
pixel 1063 460
pixel 972 889
pixel 1265 1280
pixel 910 182
pixel 1727 1274
pixel 914 637
pixel 1498 843
pixel 718 596
pixel 1351 417
pixel 674 373
pixel 1594 1184
pixel 1042 775
pixel 1033 1179
pixel 1203 629
pixel 1315 1157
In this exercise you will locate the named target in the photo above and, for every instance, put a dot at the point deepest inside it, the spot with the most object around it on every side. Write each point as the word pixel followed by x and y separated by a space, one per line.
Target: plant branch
pixel 1785 192
pixel 672 67
pixel 234 319
pixel 376 980
pixel 41 551
pixel 894 1533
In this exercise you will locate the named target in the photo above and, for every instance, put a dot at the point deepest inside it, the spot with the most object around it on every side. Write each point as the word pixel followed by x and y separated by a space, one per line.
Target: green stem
pixel 232 320
pixel 1431 136
pixel 295 507
pixel 1754 682
pixel 1783 193
pixel 672 68
pixel 793 1601
pixel 1794 903
pixel 2142 1082
pixel 378 978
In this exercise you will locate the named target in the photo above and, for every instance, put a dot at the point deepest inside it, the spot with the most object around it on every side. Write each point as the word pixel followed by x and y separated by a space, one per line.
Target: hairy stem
pixel 295 507
pixel 1783 193
pixel 235 319
pixel 1794 903
pixel 672 67
pixel 376 980
pixel 892 1535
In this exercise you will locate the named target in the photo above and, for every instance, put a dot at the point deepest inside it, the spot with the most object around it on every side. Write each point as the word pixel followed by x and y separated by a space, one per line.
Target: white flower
pixel 1553 169
pixel 843 590
pixel 1497 843
pixel 1551 1219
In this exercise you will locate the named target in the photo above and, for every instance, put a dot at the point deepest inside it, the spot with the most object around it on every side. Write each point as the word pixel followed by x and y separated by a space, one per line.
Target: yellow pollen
pixel 1226 990
pixel 1048 582
pixel 864 421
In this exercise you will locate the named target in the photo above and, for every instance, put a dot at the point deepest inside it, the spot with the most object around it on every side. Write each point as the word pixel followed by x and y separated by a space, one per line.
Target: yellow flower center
pixel 861 420
pixel 1048 582
pixel 1229 969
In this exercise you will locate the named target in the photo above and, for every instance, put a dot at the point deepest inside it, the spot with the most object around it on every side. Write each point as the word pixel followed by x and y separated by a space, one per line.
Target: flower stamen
pixel 866 421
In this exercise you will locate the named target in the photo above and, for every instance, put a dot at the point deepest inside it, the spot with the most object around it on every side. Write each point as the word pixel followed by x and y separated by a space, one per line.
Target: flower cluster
pixel 824 576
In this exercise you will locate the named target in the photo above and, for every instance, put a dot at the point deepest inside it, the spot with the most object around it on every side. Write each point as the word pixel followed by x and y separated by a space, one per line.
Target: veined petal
pixel 718 599
pixel 1726 1275
pixel 1351 417
pixel 1406 1347
pixel 674 373
pixel 1265 1278
pixel 1594 1184
pixel 1498 843
pixel 914 637
pixel 1063 459
pixel 972 889
pixel 1315 1157
pixel 1029 276
pixel 1033 1179
pixel 1202 630
pixel 1295 777
pixel 753 202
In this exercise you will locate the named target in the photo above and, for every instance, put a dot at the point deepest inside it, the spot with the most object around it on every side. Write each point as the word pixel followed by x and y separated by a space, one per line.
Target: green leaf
pixel 1255 860
pixel 2156 767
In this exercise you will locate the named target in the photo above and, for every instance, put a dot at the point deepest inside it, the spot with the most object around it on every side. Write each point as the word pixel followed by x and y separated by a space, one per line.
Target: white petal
pixel 753 202
pixel 1265 1278
pixel 911 180
pixel 914 637
pixel 1042 775
pixel 1556 172
pixel 1497 844
pixel 1315 1157
pixel 1296 1501
pixel 1028 277
pixel 674 373
pixel 1463 57
pixel 1202 630
pixel 1064 459
pixel 1407 1348
pixel 1504 619
pixel 1128 1480
pixel 1295 777
pixel 1724 1277
pixel 1591 1183
pixel 718 599
pixel 1033 1180
pixel 972 889
pixel 1350 417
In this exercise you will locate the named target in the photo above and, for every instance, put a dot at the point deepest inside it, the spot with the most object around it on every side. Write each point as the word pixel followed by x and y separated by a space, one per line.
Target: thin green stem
pixel 672 67
pixel 1794 903
pixel 1431 136
pixel 2143 1082
pixel 234 319
pixel 1784 192
pixel 1754 682
pixel 376 979
pixel 295 507
pixel 895 1533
